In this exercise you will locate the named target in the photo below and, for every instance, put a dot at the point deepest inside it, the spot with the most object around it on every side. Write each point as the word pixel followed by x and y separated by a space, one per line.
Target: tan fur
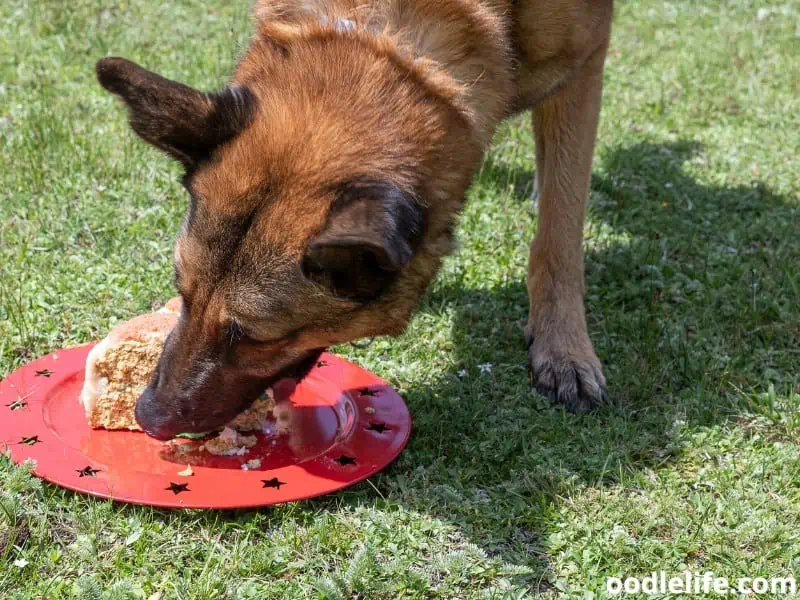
pixel 407 92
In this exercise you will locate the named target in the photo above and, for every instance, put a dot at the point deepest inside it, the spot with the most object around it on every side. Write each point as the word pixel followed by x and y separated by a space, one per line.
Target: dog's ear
pixel 184 122
pixel 370 235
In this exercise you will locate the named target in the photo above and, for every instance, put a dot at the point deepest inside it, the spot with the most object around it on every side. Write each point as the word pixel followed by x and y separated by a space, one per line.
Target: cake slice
pixel 173 305
pixel 119 368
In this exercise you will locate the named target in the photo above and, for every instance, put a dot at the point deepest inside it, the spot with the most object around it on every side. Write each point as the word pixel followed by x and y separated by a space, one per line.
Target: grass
pixel 693 272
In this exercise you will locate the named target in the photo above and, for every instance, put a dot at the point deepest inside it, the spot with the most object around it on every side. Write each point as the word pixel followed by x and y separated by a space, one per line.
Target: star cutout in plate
pixel 379 427
pixel 44 373
pixel 272 483
pixel 368 392
pixel 177 488
pixel 31 441
pixel 346 460
pixel 87 472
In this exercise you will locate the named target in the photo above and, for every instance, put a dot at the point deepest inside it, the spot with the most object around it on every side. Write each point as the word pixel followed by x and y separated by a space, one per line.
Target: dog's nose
pixel 150 420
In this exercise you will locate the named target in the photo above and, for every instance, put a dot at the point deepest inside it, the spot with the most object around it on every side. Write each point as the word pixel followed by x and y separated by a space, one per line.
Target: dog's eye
pixel 237 333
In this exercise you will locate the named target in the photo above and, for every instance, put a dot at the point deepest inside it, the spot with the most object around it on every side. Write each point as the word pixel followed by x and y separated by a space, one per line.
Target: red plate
pixel 345 424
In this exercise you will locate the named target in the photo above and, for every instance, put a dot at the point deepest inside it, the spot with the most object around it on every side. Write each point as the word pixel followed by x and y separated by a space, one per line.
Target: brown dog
pixel 326 178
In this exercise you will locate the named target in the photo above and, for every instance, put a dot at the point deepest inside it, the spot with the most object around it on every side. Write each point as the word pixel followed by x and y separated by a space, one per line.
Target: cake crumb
pixel 254 418
pixel 187 472
pixel 369 410
pixel 230 443
pixel 254 463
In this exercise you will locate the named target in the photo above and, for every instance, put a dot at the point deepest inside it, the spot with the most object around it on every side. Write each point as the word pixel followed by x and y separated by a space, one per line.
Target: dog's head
pixel 312 218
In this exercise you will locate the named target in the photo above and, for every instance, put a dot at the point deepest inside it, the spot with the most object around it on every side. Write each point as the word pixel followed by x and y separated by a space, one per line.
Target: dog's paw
pixel 570 376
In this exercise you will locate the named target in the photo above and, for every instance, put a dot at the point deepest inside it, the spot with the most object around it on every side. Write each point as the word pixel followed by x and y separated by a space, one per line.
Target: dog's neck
pixel 460 47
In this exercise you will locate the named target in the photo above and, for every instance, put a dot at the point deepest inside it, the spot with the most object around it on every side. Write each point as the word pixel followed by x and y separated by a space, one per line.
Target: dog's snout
pixel 156 377
pixel 151 419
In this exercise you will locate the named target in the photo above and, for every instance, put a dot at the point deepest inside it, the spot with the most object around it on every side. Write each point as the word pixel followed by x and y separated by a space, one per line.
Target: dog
pixel 326 179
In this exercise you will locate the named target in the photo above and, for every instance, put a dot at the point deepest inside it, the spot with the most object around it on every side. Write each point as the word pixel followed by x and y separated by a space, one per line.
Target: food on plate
pixel 119 368
pixel 173 305
pixel 230 442
pixel 254 418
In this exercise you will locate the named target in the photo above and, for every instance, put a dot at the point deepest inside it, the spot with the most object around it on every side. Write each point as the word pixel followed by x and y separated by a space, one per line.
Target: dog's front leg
pixel 563 364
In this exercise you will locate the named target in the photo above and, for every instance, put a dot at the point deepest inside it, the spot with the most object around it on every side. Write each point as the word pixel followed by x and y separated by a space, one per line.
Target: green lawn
pixel 693 272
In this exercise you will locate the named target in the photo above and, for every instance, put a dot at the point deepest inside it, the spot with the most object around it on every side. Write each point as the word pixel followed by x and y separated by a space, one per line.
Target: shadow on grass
pixel 690 303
